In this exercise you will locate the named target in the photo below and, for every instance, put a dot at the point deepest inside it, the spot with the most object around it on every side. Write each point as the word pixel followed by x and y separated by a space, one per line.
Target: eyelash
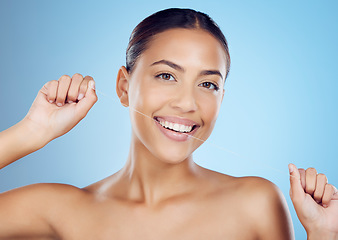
pixel 211 87
pixel 161 75
pixel 214 86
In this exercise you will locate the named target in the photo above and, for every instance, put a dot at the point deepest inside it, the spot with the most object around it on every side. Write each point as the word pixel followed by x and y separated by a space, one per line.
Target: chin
pixel 173 155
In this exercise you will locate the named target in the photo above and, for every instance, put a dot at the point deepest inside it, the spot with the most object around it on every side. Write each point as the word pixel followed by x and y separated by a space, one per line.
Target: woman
pixel 177 62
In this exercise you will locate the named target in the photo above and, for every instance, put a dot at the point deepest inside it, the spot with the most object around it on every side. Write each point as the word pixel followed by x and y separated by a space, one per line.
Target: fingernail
pixel 80 96
pixel 92 85
pixel 59 104
pixel 51 101
pixel 70 101
pixel 325 206
pixel 290 168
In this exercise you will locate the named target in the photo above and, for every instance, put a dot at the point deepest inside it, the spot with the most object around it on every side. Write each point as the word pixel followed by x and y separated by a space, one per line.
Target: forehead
pixel 186 47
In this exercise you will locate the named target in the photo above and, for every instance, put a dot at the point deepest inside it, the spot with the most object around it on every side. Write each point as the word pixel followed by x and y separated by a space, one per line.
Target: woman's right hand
pixel 60 105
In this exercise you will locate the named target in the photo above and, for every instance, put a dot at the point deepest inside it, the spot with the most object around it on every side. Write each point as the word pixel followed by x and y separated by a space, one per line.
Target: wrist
pixel 32 135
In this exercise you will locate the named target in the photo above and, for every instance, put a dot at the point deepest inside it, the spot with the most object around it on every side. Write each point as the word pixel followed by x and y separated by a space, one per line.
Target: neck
pixel 151 180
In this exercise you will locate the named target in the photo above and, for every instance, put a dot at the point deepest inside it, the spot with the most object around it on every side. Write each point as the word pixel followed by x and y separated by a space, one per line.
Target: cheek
pixel 209 108
pixel 152 96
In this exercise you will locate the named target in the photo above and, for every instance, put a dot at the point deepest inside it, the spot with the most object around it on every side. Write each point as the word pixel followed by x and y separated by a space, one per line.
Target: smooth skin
pixel 160 193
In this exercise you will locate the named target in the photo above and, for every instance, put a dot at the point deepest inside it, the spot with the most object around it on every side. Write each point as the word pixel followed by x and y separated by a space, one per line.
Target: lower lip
pixel 176 136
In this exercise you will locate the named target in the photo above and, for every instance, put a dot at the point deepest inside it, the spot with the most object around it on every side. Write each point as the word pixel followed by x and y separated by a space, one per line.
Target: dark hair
pixel 169 19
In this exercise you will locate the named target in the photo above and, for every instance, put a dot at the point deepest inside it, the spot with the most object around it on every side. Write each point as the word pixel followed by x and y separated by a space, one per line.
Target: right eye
pixel 166 76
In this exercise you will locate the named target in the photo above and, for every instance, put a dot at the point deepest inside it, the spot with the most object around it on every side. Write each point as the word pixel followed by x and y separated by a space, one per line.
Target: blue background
pixel 280 101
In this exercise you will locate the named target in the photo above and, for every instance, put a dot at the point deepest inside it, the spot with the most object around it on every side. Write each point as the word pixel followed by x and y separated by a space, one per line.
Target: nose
pixel 184 100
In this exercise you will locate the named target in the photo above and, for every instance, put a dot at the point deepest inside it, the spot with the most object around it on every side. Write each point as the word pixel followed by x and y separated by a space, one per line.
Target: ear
pixel 122 86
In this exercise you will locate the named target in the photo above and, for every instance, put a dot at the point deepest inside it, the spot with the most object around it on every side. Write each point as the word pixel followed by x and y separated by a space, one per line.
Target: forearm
pixel 19 141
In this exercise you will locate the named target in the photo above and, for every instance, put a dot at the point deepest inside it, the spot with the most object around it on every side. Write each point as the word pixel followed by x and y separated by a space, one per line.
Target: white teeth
pixel 176 127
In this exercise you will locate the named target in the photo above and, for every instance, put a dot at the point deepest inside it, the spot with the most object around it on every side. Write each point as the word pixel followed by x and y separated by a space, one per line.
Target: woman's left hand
pixel 315 202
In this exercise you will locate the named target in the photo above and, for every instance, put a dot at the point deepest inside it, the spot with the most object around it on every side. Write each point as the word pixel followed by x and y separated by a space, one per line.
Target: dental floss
pixel 204 141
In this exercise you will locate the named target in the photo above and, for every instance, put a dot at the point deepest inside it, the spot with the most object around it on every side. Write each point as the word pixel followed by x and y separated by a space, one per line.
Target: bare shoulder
pixel 45 190
pixel 35 210
pixel 259 188
pixel 255 194
pixel 267 207
pixel 248 188
pixel 40 196
pixel 259 195
pixel 255 202
pixel 255 186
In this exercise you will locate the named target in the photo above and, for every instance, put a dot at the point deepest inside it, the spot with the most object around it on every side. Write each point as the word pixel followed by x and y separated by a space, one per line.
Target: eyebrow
pixel 170 64
pixel 179 68
pixel 211 72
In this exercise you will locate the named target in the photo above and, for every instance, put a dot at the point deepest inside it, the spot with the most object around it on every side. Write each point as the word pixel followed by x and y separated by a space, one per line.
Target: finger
pixel 310 179
pixel 50 90
pixel 320 186
pixel 83 87
pixel 329 192
pixel 302 177
pixel 88 100
pixel 73 91
pixel 296 190
pixel 63 87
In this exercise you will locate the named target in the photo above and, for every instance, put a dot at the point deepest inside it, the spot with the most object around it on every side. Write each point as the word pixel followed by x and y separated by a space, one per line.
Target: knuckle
pixel 322 177
pixel 64 78
pixel 53 83
pixel 88 78
pixel 77 75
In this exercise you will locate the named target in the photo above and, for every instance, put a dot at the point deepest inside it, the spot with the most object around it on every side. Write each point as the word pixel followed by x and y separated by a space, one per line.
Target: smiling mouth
pixel 176 127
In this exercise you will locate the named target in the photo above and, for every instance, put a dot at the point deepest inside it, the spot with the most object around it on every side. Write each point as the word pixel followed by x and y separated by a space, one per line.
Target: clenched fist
pixel 60 105
pixel 315 202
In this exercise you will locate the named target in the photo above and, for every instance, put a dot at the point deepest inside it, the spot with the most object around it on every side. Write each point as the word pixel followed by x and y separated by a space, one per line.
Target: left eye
pixel 209 85
pixel 166 76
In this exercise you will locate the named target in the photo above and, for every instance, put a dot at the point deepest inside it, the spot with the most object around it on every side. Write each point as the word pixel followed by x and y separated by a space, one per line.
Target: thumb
pixel 335 194
pixel 89 99
pixel 297 193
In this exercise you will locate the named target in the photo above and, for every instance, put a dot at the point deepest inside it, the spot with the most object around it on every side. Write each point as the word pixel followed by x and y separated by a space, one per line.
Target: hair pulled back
pixel 169 19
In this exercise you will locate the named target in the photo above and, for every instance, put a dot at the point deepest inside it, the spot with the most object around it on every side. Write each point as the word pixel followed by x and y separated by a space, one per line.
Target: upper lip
pixel 178 120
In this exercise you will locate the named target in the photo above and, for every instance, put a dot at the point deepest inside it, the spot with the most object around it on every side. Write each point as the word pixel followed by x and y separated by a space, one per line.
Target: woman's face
pixel 177 82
